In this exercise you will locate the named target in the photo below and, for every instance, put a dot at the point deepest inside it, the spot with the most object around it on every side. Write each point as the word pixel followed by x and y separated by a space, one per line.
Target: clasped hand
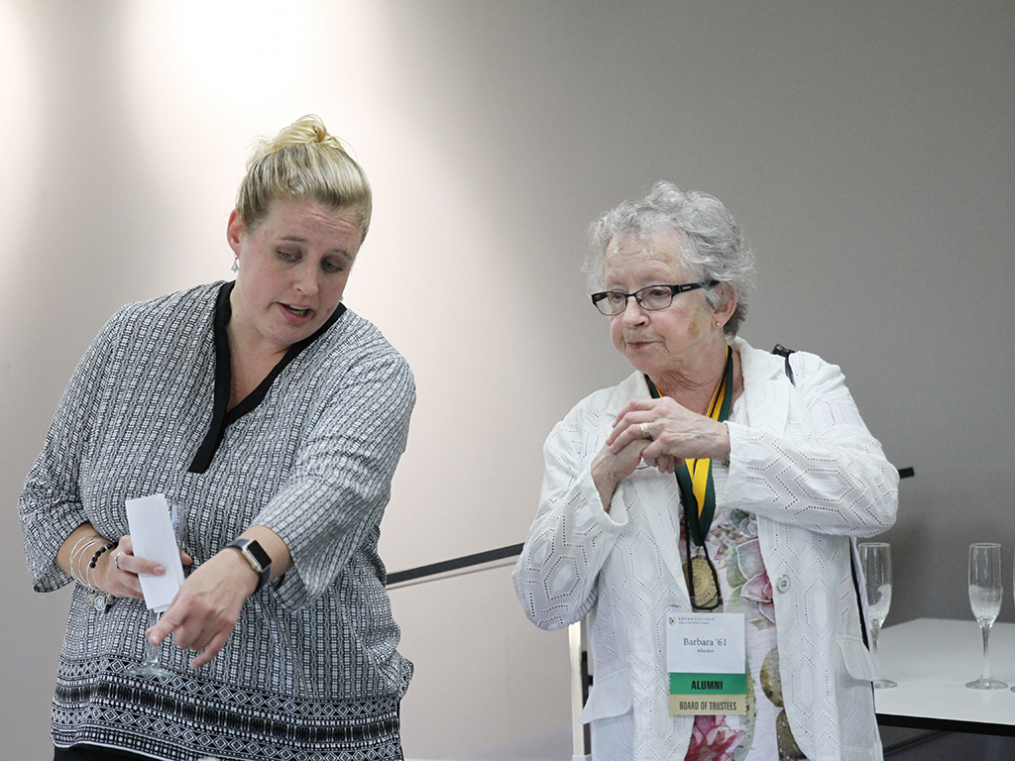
pixel 674 434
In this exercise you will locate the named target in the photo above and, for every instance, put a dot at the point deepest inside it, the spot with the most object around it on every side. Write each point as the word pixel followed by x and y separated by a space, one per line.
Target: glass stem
pixel 875 631
pixel 985 631
pixel 151 652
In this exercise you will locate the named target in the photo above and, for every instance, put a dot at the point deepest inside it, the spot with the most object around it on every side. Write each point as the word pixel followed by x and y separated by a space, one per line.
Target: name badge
pixel 706 657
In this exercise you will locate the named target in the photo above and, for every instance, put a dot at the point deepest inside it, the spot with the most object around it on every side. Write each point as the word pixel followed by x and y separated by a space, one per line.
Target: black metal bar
pixel 455 564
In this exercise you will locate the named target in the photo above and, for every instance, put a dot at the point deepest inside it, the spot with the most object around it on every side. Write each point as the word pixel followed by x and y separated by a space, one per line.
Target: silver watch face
pixel 100 603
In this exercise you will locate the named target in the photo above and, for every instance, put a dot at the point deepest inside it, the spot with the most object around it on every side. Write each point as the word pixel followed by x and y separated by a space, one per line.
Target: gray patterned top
pixel 311 669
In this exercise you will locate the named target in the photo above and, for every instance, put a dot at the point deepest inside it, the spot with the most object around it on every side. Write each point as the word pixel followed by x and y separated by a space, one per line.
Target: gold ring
pixel 645 432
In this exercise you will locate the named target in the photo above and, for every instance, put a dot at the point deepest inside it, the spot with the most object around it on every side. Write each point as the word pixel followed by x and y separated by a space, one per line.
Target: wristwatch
pixel 259 560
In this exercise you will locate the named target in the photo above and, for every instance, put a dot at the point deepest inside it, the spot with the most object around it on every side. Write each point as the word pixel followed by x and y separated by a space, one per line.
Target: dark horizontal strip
pixel 914 741
pixel 906 472
pixel 946 725
pixel 455 564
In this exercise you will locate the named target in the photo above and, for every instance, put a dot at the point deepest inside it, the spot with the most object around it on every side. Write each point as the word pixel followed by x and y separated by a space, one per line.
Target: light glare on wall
pixel 202 78
pixel 236 54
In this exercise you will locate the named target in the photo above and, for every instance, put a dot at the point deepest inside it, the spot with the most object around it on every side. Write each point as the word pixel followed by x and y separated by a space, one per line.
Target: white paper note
pixel 151 531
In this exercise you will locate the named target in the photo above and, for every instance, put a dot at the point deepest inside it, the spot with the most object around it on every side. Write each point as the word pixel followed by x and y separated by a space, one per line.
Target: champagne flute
pixel 150 666
pixel 985 599
pixel 876 558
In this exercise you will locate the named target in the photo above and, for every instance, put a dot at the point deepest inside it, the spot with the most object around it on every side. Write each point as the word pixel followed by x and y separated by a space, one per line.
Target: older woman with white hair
pixel 273 417
pixel 703 513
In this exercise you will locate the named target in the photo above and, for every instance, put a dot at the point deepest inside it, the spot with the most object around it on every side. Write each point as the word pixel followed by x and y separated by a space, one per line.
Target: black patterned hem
pixel 183 720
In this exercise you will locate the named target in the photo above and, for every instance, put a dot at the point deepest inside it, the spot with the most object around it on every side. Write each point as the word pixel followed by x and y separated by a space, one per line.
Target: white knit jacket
pixel 807 467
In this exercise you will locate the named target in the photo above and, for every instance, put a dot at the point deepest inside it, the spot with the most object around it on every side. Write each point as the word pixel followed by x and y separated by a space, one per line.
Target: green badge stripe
pixel 708 684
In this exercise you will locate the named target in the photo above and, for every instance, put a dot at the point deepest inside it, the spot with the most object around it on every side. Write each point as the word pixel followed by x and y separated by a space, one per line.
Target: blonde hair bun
pixel 304 161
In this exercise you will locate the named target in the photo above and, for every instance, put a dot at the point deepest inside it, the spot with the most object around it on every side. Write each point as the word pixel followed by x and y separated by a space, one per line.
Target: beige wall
pixel 865 147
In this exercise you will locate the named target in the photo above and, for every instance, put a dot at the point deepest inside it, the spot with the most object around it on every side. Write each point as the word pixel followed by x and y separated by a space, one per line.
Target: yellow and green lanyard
pixel 694 479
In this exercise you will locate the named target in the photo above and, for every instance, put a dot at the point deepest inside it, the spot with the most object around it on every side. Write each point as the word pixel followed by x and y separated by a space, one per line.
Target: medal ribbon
pixel 694 477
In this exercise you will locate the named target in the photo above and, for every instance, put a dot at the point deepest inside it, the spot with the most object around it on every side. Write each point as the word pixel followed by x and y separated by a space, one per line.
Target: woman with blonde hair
pixel 273 417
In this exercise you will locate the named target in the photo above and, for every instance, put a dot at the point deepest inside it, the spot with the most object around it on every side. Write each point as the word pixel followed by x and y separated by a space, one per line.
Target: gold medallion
pixel 702 582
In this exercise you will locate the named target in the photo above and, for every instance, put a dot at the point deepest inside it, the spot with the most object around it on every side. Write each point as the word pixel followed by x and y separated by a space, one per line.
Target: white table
pixel 932 659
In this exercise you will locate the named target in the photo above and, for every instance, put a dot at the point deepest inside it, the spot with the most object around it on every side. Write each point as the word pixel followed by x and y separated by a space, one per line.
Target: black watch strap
pixel 259 560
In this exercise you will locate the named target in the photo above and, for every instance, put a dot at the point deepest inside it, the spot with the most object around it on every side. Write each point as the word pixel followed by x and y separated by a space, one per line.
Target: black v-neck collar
pixel 222 416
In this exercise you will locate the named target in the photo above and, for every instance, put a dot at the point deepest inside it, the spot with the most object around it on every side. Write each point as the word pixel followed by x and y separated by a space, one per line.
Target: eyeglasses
pixel 651 298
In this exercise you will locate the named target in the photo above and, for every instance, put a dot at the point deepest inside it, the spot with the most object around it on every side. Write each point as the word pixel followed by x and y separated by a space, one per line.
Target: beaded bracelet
pixel 90 570
pixel 98 553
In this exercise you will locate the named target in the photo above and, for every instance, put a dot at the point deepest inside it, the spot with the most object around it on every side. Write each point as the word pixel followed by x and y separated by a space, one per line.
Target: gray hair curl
pixel 714 247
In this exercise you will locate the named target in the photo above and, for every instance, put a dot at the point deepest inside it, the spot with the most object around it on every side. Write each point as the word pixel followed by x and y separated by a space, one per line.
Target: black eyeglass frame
pixel 597 298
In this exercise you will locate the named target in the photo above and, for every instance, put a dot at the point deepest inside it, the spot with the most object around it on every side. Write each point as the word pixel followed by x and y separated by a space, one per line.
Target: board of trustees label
pixel 692 694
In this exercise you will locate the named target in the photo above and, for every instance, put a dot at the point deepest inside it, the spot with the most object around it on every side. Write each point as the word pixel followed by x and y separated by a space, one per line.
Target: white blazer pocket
pixel 857 659
pixel 610 695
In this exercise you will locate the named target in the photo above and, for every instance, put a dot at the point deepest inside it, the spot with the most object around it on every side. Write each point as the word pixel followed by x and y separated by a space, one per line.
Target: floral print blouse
pixel 763 733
